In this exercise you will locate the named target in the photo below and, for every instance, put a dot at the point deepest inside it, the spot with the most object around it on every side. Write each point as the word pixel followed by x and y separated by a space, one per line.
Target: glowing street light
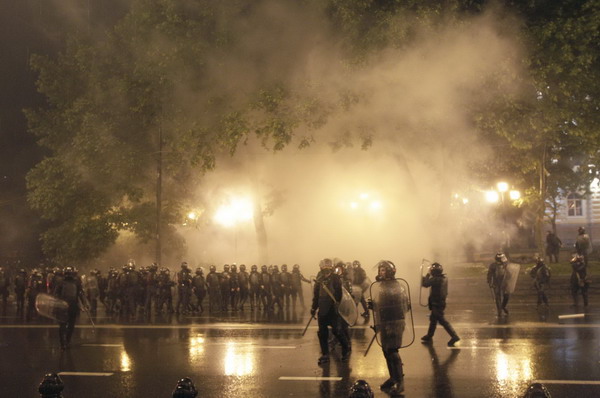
pixel 492 196
pixel 514 195
pixel 502 186
pixel 236 211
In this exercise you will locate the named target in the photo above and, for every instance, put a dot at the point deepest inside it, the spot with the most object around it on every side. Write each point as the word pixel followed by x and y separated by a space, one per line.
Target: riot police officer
pixel 327 294
pixel 69 290
pixel 389 308
pixel 297 279
pixel 579 281
pixel 199 289
pixel 184 289
pixel 20 288
pixel 4 284
pixel 541 277
pixel 437 281
pixel 214 289
pixel 496 279
pixel 243 282
pixel 254 287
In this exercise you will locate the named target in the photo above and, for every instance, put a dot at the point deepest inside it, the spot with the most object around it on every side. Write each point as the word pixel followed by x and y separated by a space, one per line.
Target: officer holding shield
pixel 390 304
pixel 327 295
pixel 496 279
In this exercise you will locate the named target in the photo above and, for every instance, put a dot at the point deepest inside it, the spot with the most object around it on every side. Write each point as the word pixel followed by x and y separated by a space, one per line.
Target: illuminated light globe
pixel 192 215
pixel 514 195
pixel 375 205
pixel 353 205
pixel 502 186
pixel 492 196
pixel 238 210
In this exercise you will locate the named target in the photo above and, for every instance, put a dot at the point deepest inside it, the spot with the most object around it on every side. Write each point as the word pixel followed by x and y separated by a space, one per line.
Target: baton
pixel 88 314
pixel 307 325
pixel 370 344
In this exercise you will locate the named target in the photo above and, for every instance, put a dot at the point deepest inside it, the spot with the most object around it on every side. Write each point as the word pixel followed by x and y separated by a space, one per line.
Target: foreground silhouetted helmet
pixel 326 263
pixel 537 390
pixel 501 257
pixel 361 389
pixel 51 385
pixel 254 267
pixel 185 389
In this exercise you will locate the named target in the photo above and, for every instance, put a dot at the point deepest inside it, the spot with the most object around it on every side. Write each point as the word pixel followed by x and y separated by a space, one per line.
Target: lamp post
pixel 233 213
pixel 499 195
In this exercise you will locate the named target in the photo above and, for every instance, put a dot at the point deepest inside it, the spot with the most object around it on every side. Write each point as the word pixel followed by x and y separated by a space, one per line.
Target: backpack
pixel 69 291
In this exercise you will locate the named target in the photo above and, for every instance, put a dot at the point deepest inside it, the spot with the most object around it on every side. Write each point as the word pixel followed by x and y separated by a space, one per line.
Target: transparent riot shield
pixel 357 293
pixel 392 313
pixel 347 308
pixel 51 307
pixel 425 264
pixel 510 277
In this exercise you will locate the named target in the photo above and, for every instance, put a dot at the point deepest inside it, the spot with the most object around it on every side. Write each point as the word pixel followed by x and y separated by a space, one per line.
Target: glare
pixel 353 205
pixel 376 205
pixel 465 201
pixel 125 362
pixel 492 196
pixel 196 347
pixel 502 186
pixel 514 195
pixel 192 215
pixel 236 211
pixel 364 196
pixel 238 363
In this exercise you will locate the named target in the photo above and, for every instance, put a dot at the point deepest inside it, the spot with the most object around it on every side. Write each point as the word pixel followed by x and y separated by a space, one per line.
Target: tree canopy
pixel 175 85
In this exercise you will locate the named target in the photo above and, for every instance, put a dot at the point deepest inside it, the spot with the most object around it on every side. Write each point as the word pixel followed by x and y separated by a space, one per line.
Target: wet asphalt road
pixel 263 355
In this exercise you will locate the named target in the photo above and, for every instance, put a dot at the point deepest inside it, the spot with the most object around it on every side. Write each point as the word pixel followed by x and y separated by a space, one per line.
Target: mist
pixel 408 141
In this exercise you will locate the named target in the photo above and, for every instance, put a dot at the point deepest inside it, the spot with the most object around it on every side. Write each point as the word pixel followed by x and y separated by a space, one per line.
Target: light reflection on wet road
pixel 262 356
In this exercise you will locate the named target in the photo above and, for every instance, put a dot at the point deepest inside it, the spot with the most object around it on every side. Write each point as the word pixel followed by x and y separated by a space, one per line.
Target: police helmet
pixel 185 389
pixel 356 264
pixel 390 268
pixel 578 258
pixel 326 263
pixel 212 268
pixel 242 267
pixel 500 257
pixel 69 271
pixel 226 268
pixel 233 268
pixel 198 271
pixel 361 389
pixel 254 267
pixel 537 390
pixel 283 267
pixel 264 268
pixel 436 269
pixel 184 265
pixel 581 230
pixel 296 267
pixel 275 268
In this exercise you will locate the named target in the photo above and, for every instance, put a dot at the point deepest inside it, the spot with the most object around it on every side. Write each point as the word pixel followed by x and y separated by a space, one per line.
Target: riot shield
pixel 392 313
pixel 510 277
pixel 51 307
pixel 357 293
pixel 347 308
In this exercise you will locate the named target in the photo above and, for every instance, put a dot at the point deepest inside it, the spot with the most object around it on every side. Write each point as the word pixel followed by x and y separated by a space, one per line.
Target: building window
pixel 574 205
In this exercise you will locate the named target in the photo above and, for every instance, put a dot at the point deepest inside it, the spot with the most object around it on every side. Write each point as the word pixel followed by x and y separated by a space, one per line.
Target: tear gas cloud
pixel 414 107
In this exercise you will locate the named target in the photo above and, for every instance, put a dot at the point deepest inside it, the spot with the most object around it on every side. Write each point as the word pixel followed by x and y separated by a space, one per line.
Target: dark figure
pixel 4 285
pixel 165 294
pixel 583 245
pixel 151 288
pixel 276 288
pixel 128 287
pixel 579 281
pixel 224 281
pixel 496 279
pixel 389 309
pixel 243 282
pixel 234 288
pixel 297 279
pixel 265 288
pixel 20 288
pixel 69 290
pixel 341 270
pixel 361 389
pixel 199 289
pixel 184 289
pixel 537 390
pixel 254 287
pixel 360 279
pixel 541 277
pixel 553 245
pixel 51 386
pixel 214 289
pixel 437 281
pixel 185 388
pixel 35 285
pixel 286 285
pixel 92 291
pixel 326 295
pixel 112 292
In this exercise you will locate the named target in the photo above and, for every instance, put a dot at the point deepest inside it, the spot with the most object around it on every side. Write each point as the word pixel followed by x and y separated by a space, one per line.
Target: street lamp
pixel 234 212
pixel 499 195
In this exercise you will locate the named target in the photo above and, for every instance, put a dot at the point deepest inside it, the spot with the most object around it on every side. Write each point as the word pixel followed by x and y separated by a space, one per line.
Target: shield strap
pixel 329 292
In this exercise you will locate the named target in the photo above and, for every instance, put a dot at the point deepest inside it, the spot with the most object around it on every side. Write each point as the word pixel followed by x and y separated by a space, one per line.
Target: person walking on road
pixel 437 281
